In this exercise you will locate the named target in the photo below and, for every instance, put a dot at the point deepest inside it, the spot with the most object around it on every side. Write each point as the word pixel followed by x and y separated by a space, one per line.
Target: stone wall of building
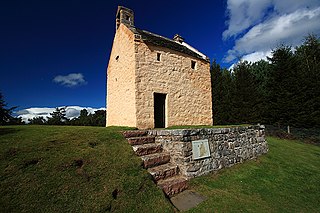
pixel 188 90
pixel 135 74
pixel 121 104
pixel 228 146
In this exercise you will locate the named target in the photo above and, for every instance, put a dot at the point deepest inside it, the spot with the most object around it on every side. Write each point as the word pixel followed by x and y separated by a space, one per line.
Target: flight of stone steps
pixel 157 162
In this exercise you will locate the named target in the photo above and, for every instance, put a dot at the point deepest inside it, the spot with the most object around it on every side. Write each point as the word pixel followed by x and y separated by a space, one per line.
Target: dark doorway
pixel 159 110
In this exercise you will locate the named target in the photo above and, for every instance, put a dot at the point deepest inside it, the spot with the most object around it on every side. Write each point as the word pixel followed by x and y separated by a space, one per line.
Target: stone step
pixel 163 171
pixel 155 159
pixel 147 149
pixel 141 140
pixel 134 133
pixel 173 185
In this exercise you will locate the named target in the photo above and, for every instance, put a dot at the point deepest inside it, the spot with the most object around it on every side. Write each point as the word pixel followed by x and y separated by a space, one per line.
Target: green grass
pixel 93 169
pixel 73 169
pixel 287 179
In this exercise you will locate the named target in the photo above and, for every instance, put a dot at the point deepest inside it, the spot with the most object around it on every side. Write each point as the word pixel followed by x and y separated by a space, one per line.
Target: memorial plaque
pixel 200 149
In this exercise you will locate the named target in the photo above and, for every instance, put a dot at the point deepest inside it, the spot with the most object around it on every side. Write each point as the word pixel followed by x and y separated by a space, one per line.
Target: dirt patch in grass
pixel 56 142
pixel 31 162
pixel 115 193
pixel 93 144
pixel 78 163
pixel 11 152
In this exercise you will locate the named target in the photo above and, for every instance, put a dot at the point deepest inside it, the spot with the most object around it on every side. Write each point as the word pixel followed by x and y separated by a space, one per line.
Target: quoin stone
pixel 153 81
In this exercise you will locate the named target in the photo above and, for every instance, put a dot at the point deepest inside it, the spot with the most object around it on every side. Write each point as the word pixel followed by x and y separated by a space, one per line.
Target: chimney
pixel 124 16
pixel 178 38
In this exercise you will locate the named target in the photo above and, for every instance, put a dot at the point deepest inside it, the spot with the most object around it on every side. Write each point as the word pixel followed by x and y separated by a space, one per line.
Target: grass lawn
pixel 73 169
pixel 287 179
pixel 93 169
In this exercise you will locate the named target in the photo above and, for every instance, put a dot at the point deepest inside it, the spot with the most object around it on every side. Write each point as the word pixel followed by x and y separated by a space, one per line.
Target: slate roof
pixel 158 40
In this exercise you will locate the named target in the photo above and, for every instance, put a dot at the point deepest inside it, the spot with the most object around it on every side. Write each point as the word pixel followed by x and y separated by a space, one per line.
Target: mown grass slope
pixel 76 169
pixel 93 169
pixel 287 179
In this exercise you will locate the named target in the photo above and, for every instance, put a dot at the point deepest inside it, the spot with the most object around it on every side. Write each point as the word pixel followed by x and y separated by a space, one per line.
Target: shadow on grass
pixel 5 131
pixel 307 135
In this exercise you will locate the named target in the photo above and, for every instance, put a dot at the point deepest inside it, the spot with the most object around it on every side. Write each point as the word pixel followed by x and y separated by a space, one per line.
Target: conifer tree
pixel 58 117
pixel 5 113
pixel 245 94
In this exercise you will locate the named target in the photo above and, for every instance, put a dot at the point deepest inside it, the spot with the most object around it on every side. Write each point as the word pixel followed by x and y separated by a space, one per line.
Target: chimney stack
pixel 178 38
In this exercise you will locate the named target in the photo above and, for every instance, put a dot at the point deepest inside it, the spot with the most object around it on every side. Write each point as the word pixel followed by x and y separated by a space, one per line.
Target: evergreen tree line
pixel 6 117
pixel 58 117
pixel 282 90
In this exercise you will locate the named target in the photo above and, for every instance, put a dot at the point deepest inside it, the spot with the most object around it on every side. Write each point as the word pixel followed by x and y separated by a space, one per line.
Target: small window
pixel 117 57
pixel 193 65
pixel 158 56
pixel 127 18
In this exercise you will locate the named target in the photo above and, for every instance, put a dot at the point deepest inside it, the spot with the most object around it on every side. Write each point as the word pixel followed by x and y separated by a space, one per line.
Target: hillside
pixel 77 169
pixel 287 179
pixel 93 169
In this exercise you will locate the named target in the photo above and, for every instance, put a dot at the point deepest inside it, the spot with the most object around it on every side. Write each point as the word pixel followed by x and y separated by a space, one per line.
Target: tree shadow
pixel 5 131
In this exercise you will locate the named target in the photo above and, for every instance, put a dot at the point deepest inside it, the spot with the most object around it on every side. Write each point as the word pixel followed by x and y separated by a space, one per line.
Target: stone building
pixel 155 82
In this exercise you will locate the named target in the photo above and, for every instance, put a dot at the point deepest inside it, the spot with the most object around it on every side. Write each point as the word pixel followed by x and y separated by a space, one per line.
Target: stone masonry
pixel 121 102
pixel 188 91
pixel 143 64
pixel 228 146
pixel 168 154
pixel 157 162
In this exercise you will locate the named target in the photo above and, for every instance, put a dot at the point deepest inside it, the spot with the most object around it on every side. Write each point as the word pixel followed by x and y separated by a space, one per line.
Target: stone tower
pixel 153 81
pixel 124 16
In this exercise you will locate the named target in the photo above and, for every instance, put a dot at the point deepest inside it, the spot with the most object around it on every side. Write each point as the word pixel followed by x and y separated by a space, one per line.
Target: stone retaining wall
pixel 228 146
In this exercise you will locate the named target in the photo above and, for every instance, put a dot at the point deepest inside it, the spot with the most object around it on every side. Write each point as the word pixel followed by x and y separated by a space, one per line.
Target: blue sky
pixel 55 52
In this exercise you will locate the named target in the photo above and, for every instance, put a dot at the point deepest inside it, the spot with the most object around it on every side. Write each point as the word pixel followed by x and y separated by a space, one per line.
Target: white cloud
pixel 243 14
pixel 231 67
pixel 263 25
pixel 71 80
pixel 253 57
pixel 71 112
pixel 256 56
